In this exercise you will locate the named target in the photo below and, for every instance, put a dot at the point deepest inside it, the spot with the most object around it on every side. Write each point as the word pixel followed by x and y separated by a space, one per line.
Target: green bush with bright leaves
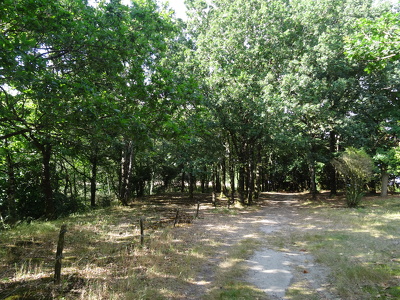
pixel 357 167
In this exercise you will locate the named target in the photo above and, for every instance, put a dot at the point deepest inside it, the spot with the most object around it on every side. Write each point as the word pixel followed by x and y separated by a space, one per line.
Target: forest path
pixel 269 269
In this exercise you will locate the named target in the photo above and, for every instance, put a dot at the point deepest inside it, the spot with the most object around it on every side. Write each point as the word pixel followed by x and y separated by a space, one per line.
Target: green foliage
pixel 357 167
pixel 76 82
pixel 388 160
pixel 110 98
pixel 376 41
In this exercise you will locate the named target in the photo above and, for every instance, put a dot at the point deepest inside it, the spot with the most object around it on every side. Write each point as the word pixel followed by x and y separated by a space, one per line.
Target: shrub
pixel 356 166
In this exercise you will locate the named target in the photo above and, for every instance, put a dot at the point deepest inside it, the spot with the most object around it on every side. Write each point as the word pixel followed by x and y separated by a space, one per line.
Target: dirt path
pixel 269 269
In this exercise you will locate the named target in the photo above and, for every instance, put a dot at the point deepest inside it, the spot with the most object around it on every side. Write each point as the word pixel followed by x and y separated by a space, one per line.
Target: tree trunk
pixel 151 183
pixel 192 182
pixel 313 184
pixel 258 183
pixel 385 182
pixel 217 180
pixel 183 182
pixel 214 186
pixel 50 211
pixel 232 183
pixel 84 188
pixel 93 180
pixel 126 172
pixel 223 170
pixel 251 189
pixel 75 188
pixel 241 184
pixel 331 169
pixel 203 180
pixel 46 151
pixel 11 186
pixel 263 178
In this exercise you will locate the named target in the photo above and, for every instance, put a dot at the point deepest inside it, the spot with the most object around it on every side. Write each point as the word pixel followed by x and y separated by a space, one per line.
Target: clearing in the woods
pixel 285 247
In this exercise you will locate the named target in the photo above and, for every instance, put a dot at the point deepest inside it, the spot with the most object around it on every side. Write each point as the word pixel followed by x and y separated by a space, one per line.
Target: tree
pixel 320 87
pixel 376 41
pixel 74 73
pixel 235 49
pixel 376 44
pixel 277 71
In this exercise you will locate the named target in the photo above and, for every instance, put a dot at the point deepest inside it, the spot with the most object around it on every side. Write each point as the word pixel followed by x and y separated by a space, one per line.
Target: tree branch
pixel 22 131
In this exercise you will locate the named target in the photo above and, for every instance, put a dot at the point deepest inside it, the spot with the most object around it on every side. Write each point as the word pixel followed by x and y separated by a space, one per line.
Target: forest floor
pixel 284 247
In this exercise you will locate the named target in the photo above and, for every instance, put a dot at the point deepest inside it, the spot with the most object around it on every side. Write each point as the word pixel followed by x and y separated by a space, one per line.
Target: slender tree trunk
pixel 93 180
pixel 50 211
pixel 241 184
pixel 151 183
pixel 214 186
pixel 247 179
pixel 203 180
pixel 192 182
pixel 251 184
pixel 84 188
pixel 75 188
pixel 313 184
pixel 232 182
pixel 66 185
pixel 71 189
pixel 263 178
pixel 257 186
pixel 108 185
pixel 183 182
pixel 223 170
pixel 257 173
pixel 331 169
pixel 203 185
pixel 11 185
pixel 217 180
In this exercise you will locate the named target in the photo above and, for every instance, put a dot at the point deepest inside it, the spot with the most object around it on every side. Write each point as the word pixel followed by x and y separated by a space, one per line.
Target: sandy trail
pixel 275 271
pixel 268 269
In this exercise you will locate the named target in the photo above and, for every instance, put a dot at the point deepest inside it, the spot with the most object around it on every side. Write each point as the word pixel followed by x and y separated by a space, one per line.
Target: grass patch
pixel 298 291
pixel 103 258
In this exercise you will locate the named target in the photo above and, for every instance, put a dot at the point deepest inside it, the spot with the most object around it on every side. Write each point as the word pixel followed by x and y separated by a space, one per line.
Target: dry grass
pixel 103 258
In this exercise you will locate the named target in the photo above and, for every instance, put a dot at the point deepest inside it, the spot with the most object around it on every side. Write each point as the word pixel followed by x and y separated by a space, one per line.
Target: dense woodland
pixel 102 101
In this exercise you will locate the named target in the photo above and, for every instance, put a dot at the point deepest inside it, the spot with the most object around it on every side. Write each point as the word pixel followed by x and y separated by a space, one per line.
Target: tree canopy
pixel 113 101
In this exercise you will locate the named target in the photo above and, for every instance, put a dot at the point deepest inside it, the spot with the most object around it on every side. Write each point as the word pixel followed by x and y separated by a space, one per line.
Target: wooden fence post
pixel 59 256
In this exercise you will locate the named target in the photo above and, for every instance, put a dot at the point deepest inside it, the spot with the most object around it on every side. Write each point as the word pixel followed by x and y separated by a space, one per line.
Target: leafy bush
pixel 356 166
